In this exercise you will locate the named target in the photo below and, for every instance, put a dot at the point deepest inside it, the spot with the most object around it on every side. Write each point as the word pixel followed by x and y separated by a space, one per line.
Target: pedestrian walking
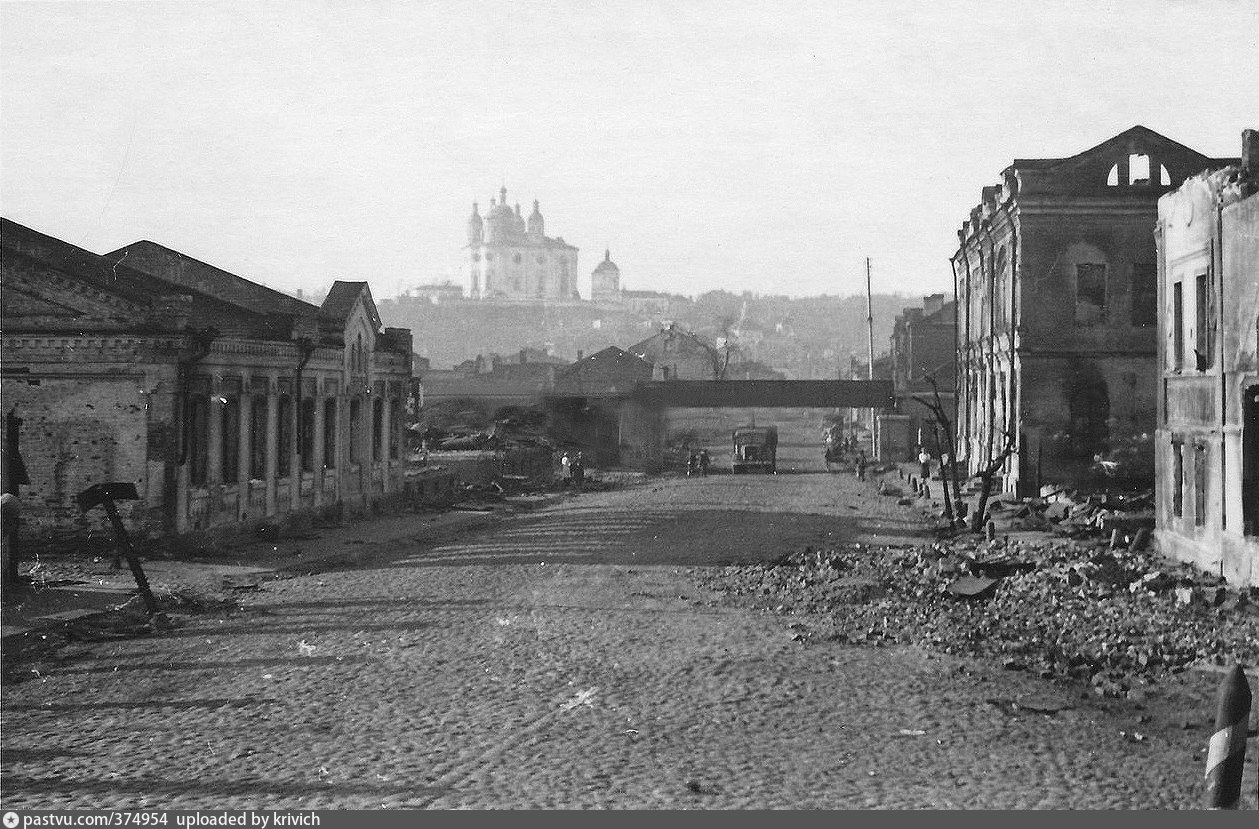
pixel 861 465
pixel 578 467
pixel 703 463
pixel 924 464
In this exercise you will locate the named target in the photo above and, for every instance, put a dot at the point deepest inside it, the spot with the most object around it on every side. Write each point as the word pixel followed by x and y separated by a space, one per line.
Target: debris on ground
pixel 1062 608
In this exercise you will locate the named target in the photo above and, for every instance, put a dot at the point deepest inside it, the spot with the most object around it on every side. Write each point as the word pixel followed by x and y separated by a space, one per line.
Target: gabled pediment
pixel 1137 157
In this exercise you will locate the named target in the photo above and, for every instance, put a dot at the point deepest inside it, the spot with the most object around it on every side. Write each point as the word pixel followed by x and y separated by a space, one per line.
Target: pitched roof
pixel 141 289
pixel 343 296
pixel 181 269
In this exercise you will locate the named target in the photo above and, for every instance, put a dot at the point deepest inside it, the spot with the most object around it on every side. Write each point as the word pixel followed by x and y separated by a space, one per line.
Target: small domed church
pixel 513 258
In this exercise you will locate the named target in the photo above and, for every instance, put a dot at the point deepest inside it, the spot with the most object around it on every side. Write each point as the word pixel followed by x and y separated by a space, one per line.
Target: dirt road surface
pixel 566 658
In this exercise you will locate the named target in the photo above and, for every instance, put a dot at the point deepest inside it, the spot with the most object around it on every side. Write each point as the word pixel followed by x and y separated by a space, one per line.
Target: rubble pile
pixel 1073 515
pixel 1064 609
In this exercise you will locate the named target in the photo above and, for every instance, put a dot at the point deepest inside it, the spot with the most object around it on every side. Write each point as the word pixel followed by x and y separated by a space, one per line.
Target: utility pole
pixel 874 439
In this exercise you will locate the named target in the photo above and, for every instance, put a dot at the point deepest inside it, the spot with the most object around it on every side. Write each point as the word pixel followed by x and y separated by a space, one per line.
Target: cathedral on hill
pixel 512 258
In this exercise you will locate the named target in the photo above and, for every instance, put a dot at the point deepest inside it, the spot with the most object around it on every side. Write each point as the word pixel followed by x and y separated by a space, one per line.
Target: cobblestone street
pixel 565 658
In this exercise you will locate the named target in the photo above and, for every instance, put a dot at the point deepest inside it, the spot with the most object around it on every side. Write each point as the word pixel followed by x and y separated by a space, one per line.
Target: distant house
pixel 496 382
pixel 1207 442
pixel 679 355
pixel 652 303
pixel 592 406
pixel 611 372
pixel 437 293
pixel 226 403
pixel 921 348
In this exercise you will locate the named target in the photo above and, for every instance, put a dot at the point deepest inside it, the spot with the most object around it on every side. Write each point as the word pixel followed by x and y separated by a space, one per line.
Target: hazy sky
pixel 741 145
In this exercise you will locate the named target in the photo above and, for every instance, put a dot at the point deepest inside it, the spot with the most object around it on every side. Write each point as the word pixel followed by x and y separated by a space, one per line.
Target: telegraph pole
pixel 874 440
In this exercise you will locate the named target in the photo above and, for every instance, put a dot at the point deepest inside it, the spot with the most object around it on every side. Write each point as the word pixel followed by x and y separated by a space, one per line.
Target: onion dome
pixel 536 225
pixel 500 221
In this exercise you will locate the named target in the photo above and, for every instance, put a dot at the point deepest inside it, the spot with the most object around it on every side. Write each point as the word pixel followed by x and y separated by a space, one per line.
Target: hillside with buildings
pixel 803 337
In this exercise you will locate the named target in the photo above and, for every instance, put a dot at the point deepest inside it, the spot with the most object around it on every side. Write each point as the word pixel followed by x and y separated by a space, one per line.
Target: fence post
pixel 1226 753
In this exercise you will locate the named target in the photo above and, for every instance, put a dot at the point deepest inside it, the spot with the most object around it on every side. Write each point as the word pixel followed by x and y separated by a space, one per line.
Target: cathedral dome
pixel 500 221
pixel 607 265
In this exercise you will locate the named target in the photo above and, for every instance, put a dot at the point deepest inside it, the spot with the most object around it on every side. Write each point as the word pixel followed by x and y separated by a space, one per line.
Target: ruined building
pixel 1207 443
pixel 921 351
pixel 513 258
pixel 675 354
pixel 1056 288
pixel 226 403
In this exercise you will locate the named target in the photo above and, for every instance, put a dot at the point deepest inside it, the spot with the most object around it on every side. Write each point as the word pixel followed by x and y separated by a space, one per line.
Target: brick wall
pixel 77 432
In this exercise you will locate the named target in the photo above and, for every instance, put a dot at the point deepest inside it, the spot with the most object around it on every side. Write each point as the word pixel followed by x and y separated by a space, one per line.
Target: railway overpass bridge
pixel 629 424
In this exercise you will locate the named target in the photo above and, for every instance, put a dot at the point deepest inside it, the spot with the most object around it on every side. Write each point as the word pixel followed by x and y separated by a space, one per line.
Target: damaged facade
pixel 226 403
pixel 1207 443
pixel 1056 290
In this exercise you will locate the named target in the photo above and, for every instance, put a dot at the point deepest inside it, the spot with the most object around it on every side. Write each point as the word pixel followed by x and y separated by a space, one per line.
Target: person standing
pixel 924 464
pixel 578 467
pixel 703 463
pixel 861 465
pixel 566 469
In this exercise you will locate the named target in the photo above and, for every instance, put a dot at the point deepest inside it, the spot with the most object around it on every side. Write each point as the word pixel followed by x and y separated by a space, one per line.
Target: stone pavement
pixel 68 589
pixel 566 658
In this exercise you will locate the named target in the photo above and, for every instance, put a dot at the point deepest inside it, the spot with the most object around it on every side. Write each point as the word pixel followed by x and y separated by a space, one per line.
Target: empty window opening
pixel 1138 169
pixel 378 429
pixel 1088 407
pixel 1199 485
pixel 1204 340
pixel 1178 326
pixel 1164 177
pixel 229 455
pixel 258 438
pixel 330 433
pixel 1090 293
pixel 198 438
pixel 1250 461
pixel 284 436
pixel 395 422
pixel 356 424
pixel 306 442
pixel 1144 295
pixel 1178 480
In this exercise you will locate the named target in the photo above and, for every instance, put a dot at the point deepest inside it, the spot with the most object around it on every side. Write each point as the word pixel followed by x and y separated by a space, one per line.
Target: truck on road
pixel 754 448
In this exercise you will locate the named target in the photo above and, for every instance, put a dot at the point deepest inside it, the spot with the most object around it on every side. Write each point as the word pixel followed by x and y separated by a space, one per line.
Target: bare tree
pixel 948 471
pixel 725 351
